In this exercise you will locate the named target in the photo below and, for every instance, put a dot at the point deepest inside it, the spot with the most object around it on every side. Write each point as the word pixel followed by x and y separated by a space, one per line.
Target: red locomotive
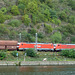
pixel 64 46
pixel 39 46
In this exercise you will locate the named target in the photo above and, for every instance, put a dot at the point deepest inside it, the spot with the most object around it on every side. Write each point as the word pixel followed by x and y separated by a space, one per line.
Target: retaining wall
pixel 27 63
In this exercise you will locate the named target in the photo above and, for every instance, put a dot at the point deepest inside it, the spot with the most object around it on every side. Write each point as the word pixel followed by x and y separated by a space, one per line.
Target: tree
pixel 56 37
pixel 48 28
pixel 40 35
pixel 32 7
pixel 47 14
pixel 72 4
pixel 63 16
pixel 21 8
pixel 31 52
pixel 53 13
pixel 26 19
pixel 56 21
pixel 2 55
pixel 15 23
pixel 49 3
pixel 3 9
pixel 2 18
pixel 33 31
pixel 14 10
pixel 71 19
pixel 73 39
pixel 3 29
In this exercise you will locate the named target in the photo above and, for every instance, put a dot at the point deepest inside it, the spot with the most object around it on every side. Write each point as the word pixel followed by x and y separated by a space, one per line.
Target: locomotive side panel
pixel 33 45
pixel 45 46
pixel 65 46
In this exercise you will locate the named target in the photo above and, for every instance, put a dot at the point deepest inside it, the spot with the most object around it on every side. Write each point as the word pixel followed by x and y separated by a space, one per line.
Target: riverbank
pixel 34 63
pixel 50 56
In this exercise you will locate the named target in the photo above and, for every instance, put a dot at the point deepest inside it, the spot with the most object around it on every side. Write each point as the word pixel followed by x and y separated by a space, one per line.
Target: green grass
pixel 51 56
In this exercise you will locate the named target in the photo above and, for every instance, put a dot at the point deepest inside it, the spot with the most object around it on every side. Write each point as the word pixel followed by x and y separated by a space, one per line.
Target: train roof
pixel 35 43
pixel 66 44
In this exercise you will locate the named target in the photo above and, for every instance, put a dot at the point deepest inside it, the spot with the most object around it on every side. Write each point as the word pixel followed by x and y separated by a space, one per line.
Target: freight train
pixel 14 45
pixel 46 46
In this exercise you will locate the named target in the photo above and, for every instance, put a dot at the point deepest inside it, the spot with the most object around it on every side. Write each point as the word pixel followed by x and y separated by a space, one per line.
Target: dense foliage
pixel 31 52
pixel 68 53
pixel 15 53
pixel 56 18
pixel 15 23
pixel 2 55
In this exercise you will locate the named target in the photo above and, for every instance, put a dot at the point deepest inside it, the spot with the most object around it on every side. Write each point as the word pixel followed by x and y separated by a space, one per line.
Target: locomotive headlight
pixel 54 47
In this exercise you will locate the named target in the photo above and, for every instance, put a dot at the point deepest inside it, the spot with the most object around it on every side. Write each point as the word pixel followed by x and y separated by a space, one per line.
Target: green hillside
pixel 53 20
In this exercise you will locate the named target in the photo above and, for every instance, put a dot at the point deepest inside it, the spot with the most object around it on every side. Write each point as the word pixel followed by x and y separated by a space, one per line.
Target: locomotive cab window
pixel 58 45
pixel 22 44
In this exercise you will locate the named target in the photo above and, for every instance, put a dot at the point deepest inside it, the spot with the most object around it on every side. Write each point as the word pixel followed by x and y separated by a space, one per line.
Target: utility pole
pixel 20 37
pixel 36 42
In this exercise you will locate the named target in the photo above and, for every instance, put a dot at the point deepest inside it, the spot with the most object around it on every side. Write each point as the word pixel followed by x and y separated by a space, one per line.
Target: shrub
pixel 31 52
pixel 14 53
pixel 47 13
pixel 38 26
pixel 13 35
pixel 14 10
pixel 42 0
pixel 7 17
pixel 48 28
pixel 33 31
pixel 34 19
pixel 4 29
pixel 56 21
pixel 72 4
pixel 71 53
pixel 25 2
pixel 64 53
pixel 73 39
pixel 15 23
pixel 27 37
pixel 71 19
pixel 41 17
pixel 21 8
pixel 40 35
pixel 3 9
pixel 26 19
pixel 49 3
pixel 2 18
pixel 2 55
pixel 68 53
pixel 63 16
pixel 32 7
pixel 53 13
pixel 68 29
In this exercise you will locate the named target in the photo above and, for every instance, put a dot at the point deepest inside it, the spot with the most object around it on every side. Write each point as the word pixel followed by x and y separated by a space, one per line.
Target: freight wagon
pixel 8 44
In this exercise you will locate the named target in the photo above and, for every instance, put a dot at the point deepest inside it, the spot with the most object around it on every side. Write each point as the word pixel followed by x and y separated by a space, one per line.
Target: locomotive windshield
pixel 54 45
